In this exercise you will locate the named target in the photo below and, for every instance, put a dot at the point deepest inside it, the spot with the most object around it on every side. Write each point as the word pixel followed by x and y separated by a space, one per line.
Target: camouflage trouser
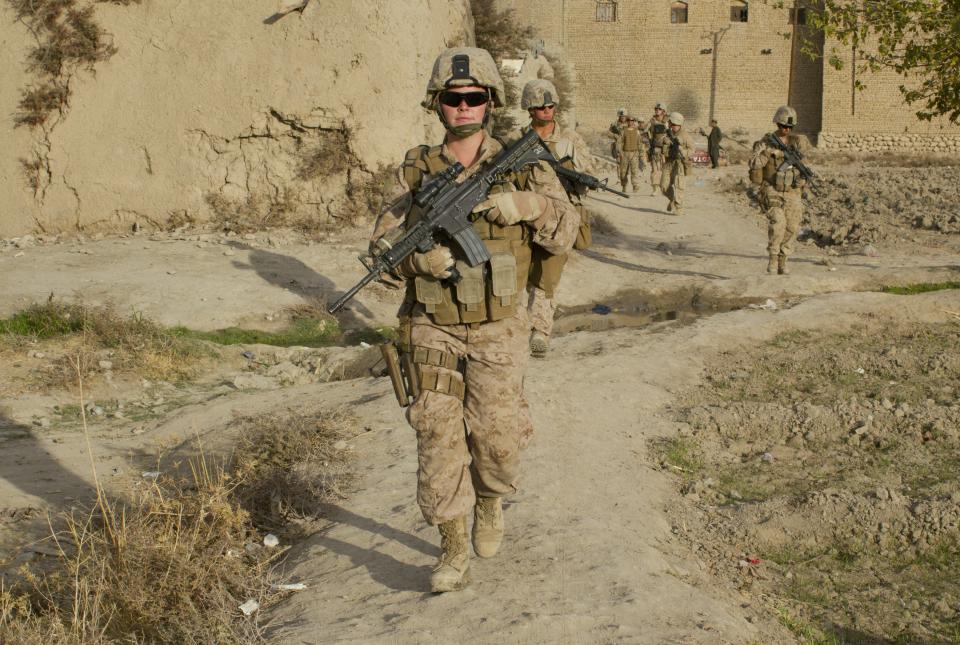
pixel 542 309
pixel 656 167
pixel 672 182
pixel 630 168
pixel 784 212
pixel 471 446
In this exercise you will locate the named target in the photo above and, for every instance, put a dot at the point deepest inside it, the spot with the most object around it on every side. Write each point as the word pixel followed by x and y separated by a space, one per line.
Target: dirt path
pixel 590 555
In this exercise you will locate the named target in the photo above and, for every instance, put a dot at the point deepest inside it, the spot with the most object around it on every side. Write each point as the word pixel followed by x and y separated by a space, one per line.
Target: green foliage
pixel 498 32
pixel 918 39
pixel 47 320
pixel 303 332
pixel 922 287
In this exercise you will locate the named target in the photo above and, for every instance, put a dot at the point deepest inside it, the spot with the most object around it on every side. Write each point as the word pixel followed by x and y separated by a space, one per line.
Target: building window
pixel 606 11
pixel 798 16
pixel 678 13
pixel 738 12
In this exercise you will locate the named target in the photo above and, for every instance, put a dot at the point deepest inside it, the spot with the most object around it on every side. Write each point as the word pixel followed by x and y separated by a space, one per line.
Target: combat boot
pixel 782 265
pixel 487 526
pixel 772 264
pixel 539 343
pixel 452 571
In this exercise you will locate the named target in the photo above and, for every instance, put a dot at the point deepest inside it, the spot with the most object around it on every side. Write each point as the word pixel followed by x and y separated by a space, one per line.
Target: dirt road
pixel 590 555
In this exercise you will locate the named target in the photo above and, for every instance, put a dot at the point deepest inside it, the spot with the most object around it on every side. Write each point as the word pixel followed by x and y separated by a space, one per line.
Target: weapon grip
pixel 454 276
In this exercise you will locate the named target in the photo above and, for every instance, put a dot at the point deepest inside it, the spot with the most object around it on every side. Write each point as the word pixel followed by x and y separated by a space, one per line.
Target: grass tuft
pixel 921 287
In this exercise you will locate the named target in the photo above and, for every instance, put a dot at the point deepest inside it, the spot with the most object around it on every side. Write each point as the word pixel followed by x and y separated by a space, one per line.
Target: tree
pixel 918 39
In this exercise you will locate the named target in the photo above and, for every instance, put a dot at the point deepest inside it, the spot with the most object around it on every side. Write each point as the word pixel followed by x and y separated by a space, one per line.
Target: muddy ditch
pixel 821 475
pixel 637 308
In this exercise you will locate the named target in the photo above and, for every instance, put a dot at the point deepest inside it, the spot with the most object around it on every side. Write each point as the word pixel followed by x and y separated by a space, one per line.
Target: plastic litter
pixel 247 355
pixel 271 540
pixel 293 586
pixel 249 607
pixel 150 474
pixel 603 310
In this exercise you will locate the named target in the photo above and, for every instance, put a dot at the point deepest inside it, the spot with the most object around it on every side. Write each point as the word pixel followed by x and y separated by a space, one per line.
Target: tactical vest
pixel 659 132
pixel 787 180
pixel 488 292
pixel 631 140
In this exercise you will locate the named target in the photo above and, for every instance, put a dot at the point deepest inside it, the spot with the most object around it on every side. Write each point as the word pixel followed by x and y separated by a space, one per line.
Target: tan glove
pixel 507 209
pixel 436 262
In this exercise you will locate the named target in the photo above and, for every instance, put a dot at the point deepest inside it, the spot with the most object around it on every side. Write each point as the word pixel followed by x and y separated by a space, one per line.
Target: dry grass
pixel 131 343
pixel 256 213
pixel 331 155
pixel 289 465
pixel 68 38
pixel 174 562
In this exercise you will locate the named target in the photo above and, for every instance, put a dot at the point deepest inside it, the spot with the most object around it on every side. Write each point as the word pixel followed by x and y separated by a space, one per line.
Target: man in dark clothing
pixel 713 143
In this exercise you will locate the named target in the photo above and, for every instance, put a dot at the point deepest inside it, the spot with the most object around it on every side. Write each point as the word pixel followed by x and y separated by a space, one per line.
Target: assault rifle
pixel 447 206
pixel 791 157
pixel 675 145
pixel 582 178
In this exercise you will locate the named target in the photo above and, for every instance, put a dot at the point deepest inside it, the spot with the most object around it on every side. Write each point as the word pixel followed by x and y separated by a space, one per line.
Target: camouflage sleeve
pixel 687 144
pixel 760 155
pixel 556 230
pixel 392 216
pixel 802 143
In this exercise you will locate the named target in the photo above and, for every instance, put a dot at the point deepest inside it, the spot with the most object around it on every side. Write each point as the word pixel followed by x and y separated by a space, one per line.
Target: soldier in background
pixel 618 126
pixel 657 132
pixel 628 149
pixel 677 152
pixel 468 341
pixel 644 144
pixel 541 100
pixel 781 187
pixel 713 143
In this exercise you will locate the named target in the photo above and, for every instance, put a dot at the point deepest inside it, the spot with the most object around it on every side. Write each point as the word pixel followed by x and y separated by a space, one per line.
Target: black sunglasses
pixel 785 126
pixel 472 99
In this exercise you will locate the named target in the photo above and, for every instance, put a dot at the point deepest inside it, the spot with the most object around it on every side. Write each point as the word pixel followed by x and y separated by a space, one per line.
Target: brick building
pixel 733 60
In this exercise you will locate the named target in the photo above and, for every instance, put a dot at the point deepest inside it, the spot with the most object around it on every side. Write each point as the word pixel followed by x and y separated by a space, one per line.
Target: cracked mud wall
pixel 223 100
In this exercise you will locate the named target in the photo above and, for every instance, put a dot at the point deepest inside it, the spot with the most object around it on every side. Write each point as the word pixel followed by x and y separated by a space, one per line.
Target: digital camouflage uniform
pixel 470 343
pixel 781 193
pixel 629 148
pixel 656 133
pixel 677 164
pixel 546 268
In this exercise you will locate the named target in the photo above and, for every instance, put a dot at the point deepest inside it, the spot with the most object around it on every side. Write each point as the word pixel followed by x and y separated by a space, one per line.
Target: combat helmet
pixel 622 112
pixel 785 115
pixel 660 106
pixel 463 66
pixel 539 92
pixel 675 118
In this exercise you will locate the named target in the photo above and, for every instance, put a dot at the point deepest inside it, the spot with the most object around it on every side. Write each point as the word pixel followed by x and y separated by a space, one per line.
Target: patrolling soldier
pixel 541 100
pixel 657 133
pixel 628 151
pixel 781 186
pixel 618 126
pixel 466 344
pixel 676 151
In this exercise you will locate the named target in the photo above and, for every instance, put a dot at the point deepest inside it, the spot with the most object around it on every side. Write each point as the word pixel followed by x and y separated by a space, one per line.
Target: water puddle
pixel 636 308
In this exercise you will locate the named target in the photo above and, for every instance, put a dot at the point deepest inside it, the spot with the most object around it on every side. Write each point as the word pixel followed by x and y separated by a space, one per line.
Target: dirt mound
pixel 862 207
pixel 825 471
pixel 878 204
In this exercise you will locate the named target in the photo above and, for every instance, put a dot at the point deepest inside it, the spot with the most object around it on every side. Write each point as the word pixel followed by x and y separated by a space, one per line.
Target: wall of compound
pixel 739 72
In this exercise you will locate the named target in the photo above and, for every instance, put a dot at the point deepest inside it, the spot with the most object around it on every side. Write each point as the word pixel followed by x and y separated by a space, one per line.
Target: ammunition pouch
pixel 438 371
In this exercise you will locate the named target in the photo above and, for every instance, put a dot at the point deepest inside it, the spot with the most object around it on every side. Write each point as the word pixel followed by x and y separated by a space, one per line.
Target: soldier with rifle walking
pixel 461 240
pixel 676 150
pixel 776 165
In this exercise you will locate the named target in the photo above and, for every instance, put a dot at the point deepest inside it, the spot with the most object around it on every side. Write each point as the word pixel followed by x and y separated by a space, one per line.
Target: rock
pixel 105 365
pixel 42 422
pixel 340 445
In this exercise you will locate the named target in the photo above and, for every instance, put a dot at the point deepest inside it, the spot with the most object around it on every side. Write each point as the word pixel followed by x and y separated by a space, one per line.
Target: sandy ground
pixel 591 555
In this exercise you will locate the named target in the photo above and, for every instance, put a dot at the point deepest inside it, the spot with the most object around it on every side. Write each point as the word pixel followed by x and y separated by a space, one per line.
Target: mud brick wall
pixel 746 70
